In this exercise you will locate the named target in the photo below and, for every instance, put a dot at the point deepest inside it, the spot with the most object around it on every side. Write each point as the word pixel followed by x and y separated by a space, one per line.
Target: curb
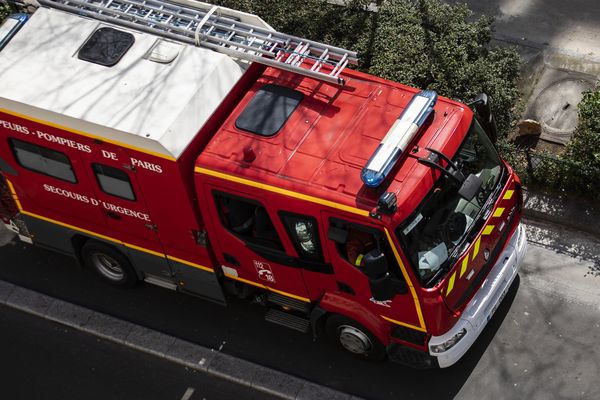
pixel 152 342
pixel 574 213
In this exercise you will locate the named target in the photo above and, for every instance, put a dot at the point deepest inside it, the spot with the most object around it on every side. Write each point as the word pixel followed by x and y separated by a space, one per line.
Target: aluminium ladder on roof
pixel 211 26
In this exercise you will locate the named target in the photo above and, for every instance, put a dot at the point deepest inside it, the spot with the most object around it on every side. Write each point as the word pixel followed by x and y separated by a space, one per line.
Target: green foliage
pixel 4 11
pixel 423 43
pixel 431 44
pixel 515 157
pixel 581 171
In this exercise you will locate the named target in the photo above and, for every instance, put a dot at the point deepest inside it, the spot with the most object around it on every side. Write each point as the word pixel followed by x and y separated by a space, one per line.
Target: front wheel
pixel 108 264
pixel 354 338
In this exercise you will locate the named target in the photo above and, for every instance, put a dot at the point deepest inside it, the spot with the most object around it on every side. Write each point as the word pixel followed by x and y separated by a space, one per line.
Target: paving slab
pixel 108 327
pixel 149 340
pixel 68 314
pixel 313 391
pixel 278 383
pixel 190 354
pixel 5 290
pixel 30 301
pixel 240 371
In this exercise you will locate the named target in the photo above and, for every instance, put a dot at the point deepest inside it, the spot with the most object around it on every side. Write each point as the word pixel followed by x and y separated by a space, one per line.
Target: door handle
pixel 113 215
pixel 231 259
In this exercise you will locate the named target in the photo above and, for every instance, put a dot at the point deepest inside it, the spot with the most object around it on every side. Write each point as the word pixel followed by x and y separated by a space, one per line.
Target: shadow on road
pixel 581 246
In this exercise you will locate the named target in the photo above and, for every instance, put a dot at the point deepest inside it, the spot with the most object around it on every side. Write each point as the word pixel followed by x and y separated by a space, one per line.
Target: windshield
pixel 434 235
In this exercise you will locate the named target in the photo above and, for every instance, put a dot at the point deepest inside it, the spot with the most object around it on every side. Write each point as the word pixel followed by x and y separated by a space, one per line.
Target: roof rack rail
pixel 219 29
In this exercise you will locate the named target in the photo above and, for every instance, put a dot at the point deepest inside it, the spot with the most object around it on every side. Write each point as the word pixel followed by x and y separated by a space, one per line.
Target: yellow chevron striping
pixel 450 284
pixel 488 229
pixel 476 249
pixel 465 264
pixel 498 212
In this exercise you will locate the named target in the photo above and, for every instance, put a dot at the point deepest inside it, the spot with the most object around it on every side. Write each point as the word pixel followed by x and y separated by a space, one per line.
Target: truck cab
pixel 290 214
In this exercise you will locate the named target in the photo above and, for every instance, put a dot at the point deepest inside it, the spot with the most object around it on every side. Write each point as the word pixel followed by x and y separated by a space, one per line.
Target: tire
pixel 108 264
pixel 354 338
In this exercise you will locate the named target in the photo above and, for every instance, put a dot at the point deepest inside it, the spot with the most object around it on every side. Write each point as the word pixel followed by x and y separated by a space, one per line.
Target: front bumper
pixel 485 302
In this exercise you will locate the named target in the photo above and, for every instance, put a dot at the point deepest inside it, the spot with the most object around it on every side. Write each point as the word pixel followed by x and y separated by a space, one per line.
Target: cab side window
pixel 248 220
pixel 354 242
pixel 304 235
pixel 114 181
pixel 43 160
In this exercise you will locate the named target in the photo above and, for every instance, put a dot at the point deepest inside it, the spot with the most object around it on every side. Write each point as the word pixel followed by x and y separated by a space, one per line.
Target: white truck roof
pixel 140 101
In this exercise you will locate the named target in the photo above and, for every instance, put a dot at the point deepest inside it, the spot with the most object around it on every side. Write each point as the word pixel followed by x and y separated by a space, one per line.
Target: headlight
pixel 448 344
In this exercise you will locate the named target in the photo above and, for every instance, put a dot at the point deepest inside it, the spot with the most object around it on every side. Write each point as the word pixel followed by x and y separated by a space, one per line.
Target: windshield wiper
pixel 433 160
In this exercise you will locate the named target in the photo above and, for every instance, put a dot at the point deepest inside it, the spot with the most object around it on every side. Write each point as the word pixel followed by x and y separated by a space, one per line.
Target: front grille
pixel 411 357
pixel 409 335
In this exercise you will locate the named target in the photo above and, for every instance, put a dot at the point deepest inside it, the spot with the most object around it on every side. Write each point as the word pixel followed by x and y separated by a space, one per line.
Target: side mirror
pixel 383 288
pixel 375 264
pixel 482 105
pixel 380 281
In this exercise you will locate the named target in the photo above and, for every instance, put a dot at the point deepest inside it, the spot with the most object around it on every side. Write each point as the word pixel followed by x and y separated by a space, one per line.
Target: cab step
pixel 288 302
pixel 288 320
pixel 159 281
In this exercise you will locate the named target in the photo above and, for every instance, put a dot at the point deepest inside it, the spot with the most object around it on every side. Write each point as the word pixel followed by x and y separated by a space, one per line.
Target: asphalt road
pixel 43 360
pixel 540 343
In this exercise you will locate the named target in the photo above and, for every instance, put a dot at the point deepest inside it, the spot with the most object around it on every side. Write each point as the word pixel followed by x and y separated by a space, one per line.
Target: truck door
pixel 348 242
pixel 246 235
pixel 119 196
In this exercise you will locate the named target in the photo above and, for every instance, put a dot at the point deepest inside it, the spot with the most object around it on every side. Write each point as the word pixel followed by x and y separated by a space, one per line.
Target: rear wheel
pixel 354 338
pixel 108 264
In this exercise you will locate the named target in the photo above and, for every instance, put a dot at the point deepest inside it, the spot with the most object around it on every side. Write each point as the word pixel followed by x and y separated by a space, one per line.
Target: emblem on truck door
pixel 264 271
pixel 486 254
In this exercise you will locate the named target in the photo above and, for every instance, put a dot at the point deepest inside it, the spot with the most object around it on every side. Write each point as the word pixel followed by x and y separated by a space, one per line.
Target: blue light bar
pixel 398 137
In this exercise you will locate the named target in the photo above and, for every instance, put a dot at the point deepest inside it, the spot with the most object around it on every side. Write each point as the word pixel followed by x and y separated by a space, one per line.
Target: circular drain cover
pixel 556 105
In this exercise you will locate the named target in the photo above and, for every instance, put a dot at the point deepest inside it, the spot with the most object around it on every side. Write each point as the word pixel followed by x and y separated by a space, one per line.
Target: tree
pixel 434 45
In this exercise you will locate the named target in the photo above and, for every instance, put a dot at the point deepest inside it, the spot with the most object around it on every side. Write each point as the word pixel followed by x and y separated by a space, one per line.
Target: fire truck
pixel 196 148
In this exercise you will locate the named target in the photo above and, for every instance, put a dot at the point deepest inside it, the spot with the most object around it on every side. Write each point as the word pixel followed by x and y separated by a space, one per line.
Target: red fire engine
pixel 196 148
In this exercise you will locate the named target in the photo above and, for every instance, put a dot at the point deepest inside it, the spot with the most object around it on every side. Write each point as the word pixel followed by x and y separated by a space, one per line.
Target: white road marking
pixel 188 393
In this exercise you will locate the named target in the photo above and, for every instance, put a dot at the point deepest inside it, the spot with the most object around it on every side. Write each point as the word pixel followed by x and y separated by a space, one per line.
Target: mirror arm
pixel 441 169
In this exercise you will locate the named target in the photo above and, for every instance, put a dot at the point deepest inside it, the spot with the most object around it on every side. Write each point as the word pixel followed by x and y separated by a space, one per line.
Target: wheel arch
pixel 78 241
pixel 335 304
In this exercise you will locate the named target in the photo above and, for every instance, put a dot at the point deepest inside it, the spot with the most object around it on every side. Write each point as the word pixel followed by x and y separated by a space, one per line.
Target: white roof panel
pixel 142 101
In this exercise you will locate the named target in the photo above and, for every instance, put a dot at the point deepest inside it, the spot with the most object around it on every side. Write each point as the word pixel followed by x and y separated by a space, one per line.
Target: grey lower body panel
pixel 198 282
pixel 188 279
